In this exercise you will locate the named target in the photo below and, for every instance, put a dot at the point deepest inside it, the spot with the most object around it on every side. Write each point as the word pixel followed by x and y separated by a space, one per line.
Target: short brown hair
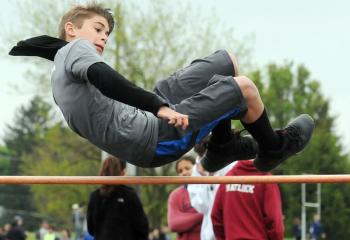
pixel 79 13
pixel 187 158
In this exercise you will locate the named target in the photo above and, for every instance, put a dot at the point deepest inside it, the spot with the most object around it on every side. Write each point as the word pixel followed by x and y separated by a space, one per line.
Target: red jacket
pixel 182 217
pixel 247 211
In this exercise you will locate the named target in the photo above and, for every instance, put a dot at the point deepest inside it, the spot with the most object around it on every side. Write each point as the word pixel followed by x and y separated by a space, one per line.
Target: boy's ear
pixel 70 30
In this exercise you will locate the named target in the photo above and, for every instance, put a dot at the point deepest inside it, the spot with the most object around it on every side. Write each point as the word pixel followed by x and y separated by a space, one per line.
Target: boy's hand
pixel 173 117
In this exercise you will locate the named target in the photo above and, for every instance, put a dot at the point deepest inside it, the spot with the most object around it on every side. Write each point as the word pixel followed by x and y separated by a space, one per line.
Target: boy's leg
pixel 217 104
pixel 192 79
pixel 274 146
pixel 293 139
pixel 219 96
pixel 188 82
pixel 220 101
pixel 222 133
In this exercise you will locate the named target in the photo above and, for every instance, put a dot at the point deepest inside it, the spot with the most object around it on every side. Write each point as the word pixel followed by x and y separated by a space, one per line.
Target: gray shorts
pixel 206 92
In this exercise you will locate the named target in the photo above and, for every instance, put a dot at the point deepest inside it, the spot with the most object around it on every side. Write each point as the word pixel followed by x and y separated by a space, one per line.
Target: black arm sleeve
pixel 115 86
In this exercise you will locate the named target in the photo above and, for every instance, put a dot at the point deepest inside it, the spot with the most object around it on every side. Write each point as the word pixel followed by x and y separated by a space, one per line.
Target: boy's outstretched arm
pixel 103 77
pixel 115 86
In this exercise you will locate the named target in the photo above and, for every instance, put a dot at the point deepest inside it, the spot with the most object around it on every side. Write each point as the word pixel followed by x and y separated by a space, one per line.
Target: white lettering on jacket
pixel 246 188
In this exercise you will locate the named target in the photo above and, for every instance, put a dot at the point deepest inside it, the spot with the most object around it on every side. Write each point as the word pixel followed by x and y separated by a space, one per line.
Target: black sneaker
pixel 295 138
pixel 219 156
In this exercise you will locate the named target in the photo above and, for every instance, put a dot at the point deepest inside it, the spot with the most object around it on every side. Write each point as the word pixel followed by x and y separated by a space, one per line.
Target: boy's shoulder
pixel 80 53
pixel 78 47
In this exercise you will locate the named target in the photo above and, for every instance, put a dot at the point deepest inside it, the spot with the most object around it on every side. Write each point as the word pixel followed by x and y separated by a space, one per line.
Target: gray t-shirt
pixel 117 128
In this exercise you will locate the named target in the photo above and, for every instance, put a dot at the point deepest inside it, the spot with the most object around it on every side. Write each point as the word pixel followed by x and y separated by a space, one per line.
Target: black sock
pixel 263 133
pixel 221 133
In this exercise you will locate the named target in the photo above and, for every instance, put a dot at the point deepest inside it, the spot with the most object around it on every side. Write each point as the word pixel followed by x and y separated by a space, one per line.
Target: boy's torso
pixel 117 128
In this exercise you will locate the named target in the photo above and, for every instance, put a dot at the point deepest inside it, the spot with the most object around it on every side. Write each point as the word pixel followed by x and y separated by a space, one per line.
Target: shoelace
pixel 293 134
pixel 241 143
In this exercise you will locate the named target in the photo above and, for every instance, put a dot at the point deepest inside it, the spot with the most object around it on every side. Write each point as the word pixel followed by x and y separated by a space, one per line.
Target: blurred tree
pixel 30 124
pixel 5 160
pixel 288 92
pixel 37 146
pixel 5 197
pixel 61 153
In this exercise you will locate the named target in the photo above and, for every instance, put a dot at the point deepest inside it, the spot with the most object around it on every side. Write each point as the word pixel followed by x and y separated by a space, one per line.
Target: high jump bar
pixel 162 180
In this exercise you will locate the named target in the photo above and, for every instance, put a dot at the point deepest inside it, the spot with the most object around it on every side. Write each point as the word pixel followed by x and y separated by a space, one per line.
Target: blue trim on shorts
pixel 173 147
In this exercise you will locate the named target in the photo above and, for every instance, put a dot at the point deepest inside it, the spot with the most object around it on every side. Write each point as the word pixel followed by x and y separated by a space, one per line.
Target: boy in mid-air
pixel 151 129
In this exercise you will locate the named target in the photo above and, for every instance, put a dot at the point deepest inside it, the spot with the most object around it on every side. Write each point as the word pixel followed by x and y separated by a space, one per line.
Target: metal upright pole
pixel 303 211
pixel 319 199
pixel 305 204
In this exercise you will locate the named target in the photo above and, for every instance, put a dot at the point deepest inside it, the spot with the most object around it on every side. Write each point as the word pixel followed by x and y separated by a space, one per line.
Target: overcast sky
pixel 315 33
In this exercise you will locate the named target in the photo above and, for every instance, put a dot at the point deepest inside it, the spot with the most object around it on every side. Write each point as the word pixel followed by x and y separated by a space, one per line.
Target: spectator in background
pixel 296 229
pixel 182 217
pixel 165 230
pixel 42 230
pixel 158 234
pixel 78 221
pixel 202 195
pixel 7 228
pixel 2 233
pixel 247 211
pixel 65 234
pixel 17 232
pixel 316 229
pixel 51 234
pixel 115 212
pixel 87 236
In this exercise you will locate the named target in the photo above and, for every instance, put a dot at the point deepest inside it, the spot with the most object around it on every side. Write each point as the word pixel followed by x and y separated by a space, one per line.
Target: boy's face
pixel 95 30
pixel 184 168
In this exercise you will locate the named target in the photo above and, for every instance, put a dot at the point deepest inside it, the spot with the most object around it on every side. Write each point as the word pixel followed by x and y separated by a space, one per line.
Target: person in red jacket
pixel 247 211
pixel 182 217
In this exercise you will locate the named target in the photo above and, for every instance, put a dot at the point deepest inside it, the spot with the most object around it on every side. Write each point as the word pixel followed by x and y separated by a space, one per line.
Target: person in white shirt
pixel 202 196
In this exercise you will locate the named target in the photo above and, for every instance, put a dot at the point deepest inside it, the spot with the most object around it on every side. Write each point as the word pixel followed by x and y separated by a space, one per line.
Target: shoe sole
pixel 311 125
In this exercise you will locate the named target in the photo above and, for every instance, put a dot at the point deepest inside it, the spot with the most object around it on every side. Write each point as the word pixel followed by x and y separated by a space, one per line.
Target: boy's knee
pixel 248 88
pixel 235 64
pixel 232 56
